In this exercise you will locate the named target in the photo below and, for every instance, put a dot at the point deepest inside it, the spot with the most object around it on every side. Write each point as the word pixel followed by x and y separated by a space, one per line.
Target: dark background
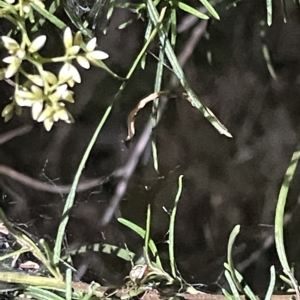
pixel 226 181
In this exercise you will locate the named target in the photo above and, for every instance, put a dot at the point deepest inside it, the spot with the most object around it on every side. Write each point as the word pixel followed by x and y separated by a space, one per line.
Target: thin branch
pixel 5 137
pixel 45 187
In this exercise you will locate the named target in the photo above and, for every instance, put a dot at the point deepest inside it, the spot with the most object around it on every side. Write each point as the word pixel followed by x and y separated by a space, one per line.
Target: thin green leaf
pixel 101 64
pixel 172 228
pixel 49 16
pixel 286 280
pixel 210 9
pixel 153 14
pixel 23 278
pixel 227 295
pixel 146 38
pixel 267 58
pixel 283 8
pixel 14 253
pixel 155 105
pixel 69 284
pixel 232 285
pixel 231 267
pixel 52 8
pixel 279 216
pixel 41 294
pixel 271 284
pixel 141 232
pixel 246 288
pixel 269 12
pixel 147 231
pixel 173 22
pixel 192 11
pixel 70 200
pixel 125 24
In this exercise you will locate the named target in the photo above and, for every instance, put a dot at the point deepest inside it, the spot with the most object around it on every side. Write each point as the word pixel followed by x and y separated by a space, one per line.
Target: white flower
pixel 71 48
pixel 17 55
pixel 37 44
pixel 54 113
pixel 91 55
pixel 68 73
pixel 14 64
pixel 25 97
pixel 10 44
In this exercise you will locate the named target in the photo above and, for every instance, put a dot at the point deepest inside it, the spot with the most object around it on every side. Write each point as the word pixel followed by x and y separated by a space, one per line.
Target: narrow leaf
pixel 233 288
pixel 153 14
pixel 210 8
pixel 192 11
pixel 70 200
pixel 269 12
pixel 49 16
pixel 231 268
pixel 271 284
pixel 141 232
pixel 172 228
pixel 279 216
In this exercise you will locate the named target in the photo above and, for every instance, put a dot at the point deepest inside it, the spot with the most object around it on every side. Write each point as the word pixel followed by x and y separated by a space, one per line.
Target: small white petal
pixel 68 96
pixel 62 115
pixel 8 109
pixel 55 117
pixel 83 62
pixel 97 55
pixel 57 95
pixel 91 45
pixel 10 59
pixel 24 94
pixel 78 38
pixel 48 123
pixel 10 43
pixel 64 73
pixel 37 44
pixel 12 69
pixel 61 89
pixel 68 39
pixel 24 102
pixel 36 109
pixel 37 92
pixel 36 79
pixel 75 74
pixel 47 112
pixel 73 50
pixel 49 77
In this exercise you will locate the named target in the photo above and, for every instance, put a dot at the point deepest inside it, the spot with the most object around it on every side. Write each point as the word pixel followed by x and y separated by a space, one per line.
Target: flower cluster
pixel 45 92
